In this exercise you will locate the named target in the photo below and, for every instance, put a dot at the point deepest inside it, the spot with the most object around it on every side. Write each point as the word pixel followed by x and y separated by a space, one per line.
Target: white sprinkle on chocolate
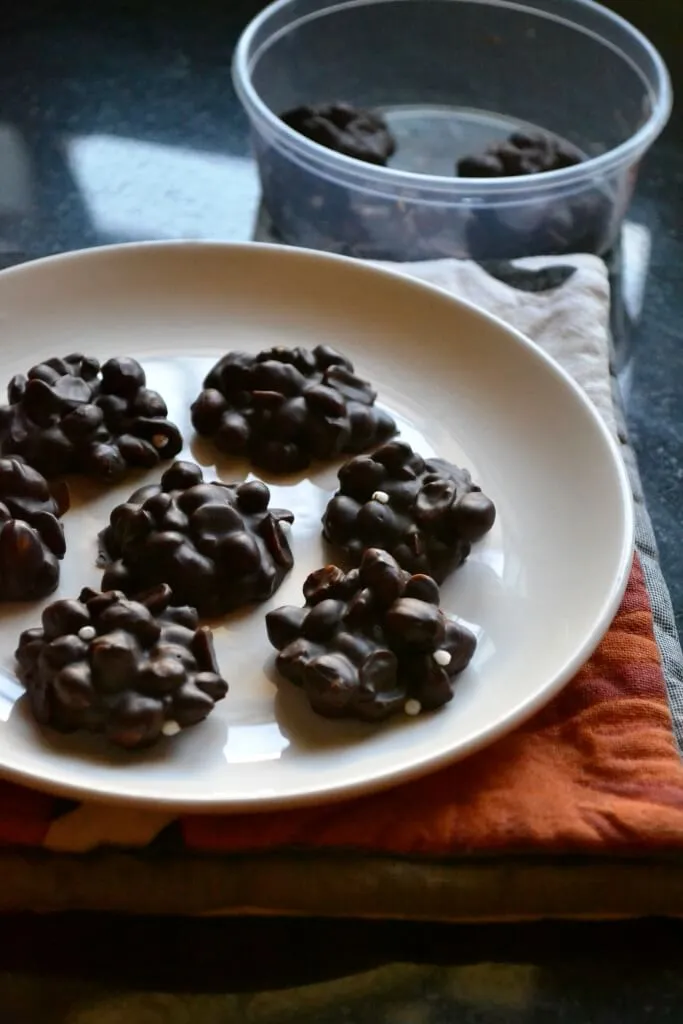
pixel 87 633
pixel 170 728
pixel 159 440
pixel 381 496
pixel 412 708
pixel 442 658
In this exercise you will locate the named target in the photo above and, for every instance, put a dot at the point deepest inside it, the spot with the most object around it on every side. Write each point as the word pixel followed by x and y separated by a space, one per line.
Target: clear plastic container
pixel 451 76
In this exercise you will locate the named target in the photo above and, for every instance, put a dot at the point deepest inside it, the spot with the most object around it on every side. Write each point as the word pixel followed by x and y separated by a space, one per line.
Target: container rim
pixel 368 174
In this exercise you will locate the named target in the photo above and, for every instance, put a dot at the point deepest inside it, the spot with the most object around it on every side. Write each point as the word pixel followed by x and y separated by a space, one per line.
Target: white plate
pixel 541 589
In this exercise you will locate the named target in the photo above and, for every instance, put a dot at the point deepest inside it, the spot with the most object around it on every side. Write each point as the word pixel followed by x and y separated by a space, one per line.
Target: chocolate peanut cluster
pixel 284 407
pixel 218 546
pixel 578 224
pixel 134 670
pixel 370 642
pixel 426 512
pixel 72 416
pixel 361 134
pixel 521 153
pixel 31 535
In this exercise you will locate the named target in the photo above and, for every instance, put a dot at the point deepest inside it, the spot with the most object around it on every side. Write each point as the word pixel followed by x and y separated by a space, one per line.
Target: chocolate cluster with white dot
pixel 370 642
pixel 284 407
pixel 31 535
pixel 218 546
pixel 426 512
pixel 361 134
pixel 521 153
pixel 133 670
pixel 72 416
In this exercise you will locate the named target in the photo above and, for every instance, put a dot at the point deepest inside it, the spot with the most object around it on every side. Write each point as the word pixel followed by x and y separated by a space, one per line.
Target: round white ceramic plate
pixel 540 589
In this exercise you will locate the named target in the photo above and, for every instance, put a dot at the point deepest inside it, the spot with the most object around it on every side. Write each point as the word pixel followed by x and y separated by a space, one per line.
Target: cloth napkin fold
pixel 561 817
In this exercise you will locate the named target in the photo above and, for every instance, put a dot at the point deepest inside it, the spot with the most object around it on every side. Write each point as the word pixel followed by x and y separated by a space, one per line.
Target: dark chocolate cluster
pixel 426 512
pixel 577 222
pixel 218 546
pixel 370 642
pixel 286 406
pixel 72 416
pixel 361 134
pixel 521 153
pixel 31 535
pixel 134 670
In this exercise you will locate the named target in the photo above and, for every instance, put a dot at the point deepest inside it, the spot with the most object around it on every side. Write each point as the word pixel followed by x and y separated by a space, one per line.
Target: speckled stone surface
pixel 118 121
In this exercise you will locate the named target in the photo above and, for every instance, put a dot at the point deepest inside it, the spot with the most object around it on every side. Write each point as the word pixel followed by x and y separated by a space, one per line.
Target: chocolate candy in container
pixel 31 534
pixel 370 642
pixel 573 223
pixel 361 134
pixel 521 153
pixel 133 670
pixel 321 213
pixel 218 546
pixel 285 407
pixel 72 415
pixel 426 512
pixel 450 79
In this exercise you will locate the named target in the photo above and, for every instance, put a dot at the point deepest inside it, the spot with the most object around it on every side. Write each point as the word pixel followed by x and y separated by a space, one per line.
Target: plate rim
pixel 388 779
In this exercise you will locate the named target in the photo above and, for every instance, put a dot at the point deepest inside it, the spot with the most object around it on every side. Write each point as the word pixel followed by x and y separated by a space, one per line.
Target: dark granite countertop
pixel 118 121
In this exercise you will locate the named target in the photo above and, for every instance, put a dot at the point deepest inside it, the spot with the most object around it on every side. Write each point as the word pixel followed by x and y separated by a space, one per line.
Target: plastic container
pixel 451 76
